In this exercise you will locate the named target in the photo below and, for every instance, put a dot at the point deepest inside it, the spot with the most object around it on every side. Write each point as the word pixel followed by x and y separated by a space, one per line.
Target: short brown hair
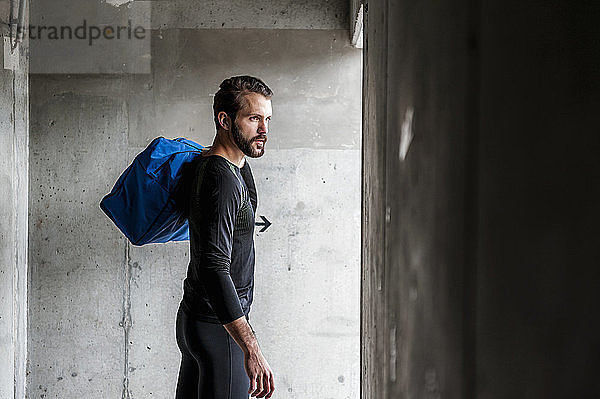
pixel 230 97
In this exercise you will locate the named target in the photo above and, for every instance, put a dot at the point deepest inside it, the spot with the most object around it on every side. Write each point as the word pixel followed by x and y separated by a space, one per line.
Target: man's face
pixel 249 130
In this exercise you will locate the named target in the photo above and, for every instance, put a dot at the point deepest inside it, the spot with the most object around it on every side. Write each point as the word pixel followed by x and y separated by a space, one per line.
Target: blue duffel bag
pixel 147 203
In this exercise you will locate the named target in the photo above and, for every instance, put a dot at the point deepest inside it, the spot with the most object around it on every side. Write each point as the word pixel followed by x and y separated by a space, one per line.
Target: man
pixel 221 358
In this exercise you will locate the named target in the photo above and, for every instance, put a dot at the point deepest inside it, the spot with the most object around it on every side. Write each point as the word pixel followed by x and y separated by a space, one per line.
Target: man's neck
pixel 227 150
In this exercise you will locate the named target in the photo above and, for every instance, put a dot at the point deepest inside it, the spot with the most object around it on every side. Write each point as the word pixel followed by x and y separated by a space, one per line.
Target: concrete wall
pixel 413 190
pixel 374 330
pixel 270 14
pixel 14 119
pixel 480 277
pixel 102 311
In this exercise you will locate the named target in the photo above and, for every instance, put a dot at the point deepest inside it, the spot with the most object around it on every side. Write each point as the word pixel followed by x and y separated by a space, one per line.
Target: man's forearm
pixel 221 292
pixel 240 331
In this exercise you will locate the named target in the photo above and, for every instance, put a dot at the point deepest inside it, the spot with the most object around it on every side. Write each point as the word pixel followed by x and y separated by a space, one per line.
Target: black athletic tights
pixel 212 363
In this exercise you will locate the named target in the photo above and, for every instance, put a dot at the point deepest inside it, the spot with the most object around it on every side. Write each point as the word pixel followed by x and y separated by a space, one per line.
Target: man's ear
pixel 224 120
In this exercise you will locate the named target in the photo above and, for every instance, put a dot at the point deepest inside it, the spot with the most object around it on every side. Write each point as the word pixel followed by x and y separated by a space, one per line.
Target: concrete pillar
pixel 480 199
pixel 14 151
pixel 374 330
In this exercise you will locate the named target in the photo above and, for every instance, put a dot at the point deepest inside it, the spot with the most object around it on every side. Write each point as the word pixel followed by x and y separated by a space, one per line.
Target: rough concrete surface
pixel 8 242
pixel 69 36
pixel 104 310
pixel 315 76
pixel 374 332
pixel 414 208
pixel 13 230
pixel 76 344
pixel 286 14
pixel 307 286
pixel 89 36
pixel 14 119
pixel 214 14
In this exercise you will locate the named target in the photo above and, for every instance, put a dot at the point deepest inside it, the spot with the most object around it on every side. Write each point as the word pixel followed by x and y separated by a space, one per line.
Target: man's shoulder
pixel 216 164
pixel 220 171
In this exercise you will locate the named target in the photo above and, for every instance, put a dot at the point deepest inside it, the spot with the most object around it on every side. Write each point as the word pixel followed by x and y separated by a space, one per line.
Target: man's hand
pixel 262 383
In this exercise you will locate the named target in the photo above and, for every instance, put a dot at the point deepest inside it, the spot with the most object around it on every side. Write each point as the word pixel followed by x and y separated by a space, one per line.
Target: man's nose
pixel 262 127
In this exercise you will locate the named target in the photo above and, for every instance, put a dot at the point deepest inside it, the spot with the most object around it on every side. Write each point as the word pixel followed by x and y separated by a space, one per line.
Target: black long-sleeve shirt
pixel 220 279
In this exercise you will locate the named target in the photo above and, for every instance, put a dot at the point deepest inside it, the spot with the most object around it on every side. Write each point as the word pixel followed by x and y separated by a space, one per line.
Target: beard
pixel 244 144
